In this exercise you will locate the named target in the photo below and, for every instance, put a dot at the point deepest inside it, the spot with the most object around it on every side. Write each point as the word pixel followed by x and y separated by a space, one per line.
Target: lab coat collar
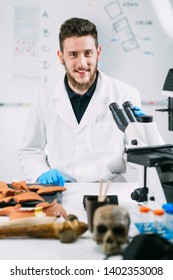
pixel 94 107
pixel 65 110
pixel 63 105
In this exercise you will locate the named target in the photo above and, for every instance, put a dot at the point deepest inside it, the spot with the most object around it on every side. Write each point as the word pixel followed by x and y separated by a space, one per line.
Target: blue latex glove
pixel 137 111
pixel 53 177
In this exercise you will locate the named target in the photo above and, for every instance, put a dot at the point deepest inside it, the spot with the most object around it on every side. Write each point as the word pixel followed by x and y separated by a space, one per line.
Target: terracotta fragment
pixel 3 184
pixel 7 192
pixel 7 199
pixel 6 211
pixel 27 196
pixel 53 207
pixel 20 185
pixel 51 189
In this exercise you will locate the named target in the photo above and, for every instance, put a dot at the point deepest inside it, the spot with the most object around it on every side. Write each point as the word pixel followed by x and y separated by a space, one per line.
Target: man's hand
pixel 53 177
pixel 137 111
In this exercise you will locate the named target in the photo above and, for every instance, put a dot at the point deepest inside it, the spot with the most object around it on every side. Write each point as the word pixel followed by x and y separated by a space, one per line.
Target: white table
pixel 85 248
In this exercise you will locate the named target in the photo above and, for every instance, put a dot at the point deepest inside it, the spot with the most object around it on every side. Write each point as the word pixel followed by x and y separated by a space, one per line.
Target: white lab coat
pixel 88 151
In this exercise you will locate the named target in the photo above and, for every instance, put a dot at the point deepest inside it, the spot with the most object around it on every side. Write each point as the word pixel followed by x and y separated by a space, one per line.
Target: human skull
pixel 110 228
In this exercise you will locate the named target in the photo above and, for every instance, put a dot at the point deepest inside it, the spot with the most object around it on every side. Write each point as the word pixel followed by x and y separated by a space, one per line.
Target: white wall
pixel 12 123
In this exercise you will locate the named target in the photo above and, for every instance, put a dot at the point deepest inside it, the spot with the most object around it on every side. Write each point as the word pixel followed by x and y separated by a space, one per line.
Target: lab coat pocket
pixel 105 136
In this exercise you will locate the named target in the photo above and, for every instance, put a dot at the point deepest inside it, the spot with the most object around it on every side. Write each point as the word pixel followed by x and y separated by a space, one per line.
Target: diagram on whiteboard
pixel 31 45
pixel 26 44
pixel 123 31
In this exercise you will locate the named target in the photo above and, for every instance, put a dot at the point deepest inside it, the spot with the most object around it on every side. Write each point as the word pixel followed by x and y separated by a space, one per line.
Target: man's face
pixel 80 57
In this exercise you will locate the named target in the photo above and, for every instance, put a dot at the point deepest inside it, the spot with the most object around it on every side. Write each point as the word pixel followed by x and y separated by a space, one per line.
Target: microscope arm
pixel 139 134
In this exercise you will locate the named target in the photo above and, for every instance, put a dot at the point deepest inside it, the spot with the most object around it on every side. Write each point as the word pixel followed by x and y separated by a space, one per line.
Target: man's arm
pixel 32 156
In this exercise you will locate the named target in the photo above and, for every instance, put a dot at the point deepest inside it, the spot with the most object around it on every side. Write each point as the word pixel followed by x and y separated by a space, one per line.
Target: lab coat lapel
pixel 65 111
pixel 63 106
pixel 95 106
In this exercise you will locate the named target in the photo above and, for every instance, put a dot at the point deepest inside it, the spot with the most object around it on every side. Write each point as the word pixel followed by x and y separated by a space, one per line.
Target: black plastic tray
pixel 47 197
pixel 110 199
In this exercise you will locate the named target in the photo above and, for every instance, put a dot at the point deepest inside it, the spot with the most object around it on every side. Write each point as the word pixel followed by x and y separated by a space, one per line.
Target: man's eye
pixel 73 55
pixel 88 53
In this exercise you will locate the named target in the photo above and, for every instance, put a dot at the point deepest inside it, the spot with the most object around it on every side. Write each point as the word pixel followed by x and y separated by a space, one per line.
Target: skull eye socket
pixel 101 229
pixel 118 231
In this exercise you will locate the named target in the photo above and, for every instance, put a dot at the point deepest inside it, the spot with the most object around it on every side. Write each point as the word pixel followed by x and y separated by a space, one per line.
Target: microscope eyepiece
pixel 119 116
pixel 127 104
pixel 128 107
pixel 114 106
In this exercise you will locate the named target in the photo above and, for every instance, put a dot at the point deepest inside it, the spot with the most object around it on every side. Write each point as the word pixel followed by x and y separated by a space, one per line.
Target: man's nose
pixel 81 60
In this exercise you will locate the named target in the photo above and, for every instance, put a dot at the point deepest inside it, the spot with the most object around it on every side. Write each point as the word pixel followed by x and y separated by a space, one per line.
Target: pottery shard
pixel 6 211
pixel 7 191
pixel 3 184
pixel 6 199
pixel 20 185
pixel 42 208
pixel 27 196
pixel 46 190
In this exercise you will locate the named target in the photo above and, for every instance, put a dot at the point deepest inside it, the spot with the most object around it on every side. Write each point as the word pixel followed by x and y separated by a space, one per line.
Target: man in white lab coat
pixel 70 133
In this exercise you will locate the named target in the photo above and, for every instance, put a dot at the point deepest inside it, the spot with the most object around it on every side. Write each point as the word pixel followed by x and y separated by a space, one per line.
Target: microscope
pixel 147 151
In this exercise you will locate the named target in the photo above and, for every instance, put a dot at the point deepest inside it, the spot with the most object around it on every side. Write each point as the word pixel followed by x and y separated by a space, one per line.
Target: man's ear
pixel 99 49
pixel 60 55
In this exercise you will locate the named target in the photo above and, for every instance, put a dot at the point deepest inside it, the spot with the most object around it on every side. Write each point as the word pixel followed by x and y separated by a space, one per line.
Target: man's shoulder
pixel 48 90
pixel 114 81
pixel 118 90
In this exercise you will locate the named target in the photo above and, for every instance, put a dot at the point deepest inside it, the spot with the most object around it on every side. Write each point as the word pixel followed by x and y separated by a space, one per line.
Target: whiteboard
pixel 135 46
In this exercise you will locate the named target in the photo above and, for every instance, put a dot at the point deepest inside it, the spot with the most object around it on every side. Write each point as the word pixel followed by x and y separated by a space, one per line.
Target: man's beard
pixel 81 86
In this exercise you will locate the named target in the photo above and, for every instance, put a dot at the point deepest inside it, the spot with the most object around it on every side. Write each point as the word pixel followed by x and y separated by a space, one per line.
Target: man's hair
pixel 77 27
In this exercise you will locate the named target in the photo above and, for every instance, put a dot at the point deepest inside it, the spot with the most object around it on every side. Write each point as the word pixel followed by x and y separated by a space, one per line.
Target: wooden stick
pixel 100 190
pixel 101 196
pixel 106 190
